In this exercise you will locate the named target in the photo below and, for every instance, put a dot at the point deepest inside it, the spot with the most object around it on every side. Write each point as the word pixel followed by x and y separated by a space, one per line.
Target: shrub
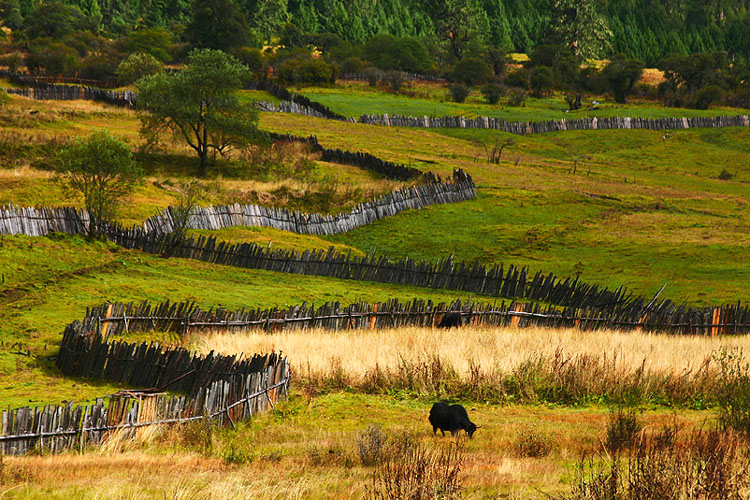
pixel 533 444
pixel 354 65
pixel 702 465
pixel 12 61
pixel 306 69
pixel 471 71
pixel 518 78
pixel 492 92
pixel 254 60
pixel 372 445
pixel 459 92
pixel 622 427
pixel 705 96
pixel 415 471
pixel 372 75
pixel 540 80
pixel 734 393
pixel 517 98
pixel 388 52
pixel 98 68
pixel 395 80
pixel 726 175
pixel 137 66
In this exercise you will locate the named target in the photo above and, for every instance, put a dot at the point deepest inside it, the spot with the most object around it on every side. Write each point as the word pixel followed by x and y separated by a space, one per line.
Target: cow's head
pixel 471 429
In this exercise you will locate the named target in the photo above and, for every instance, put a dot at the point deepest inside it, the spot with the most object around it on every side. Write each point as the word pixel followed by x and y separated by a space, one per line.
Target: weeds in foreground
pixel 532 443
pixel 622 429
pixel 371 444
pixel 734 391
pixel 417 471
pixel 699 465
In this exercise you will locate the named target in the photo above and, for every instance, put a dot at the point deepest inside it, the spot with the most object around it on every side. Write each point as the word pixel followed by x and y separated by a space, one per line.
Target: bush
pixel 415 471
pixel 705 96
pixel 138 65
pixel 395 80
pixel 700 465
pixel 388 52
pixel 471 71
pixel 12 61
pixel 459 92
pixel 540 80
pixel 306 69
pixel 622 427
pixel 533 444
pixel 372 445
pixel 734 393
pixel 518 78
pixel 354 65
pixel 373 75
pixel 492 92
pixel 98 68
pixel 254 60
pixel 517 98
pixel 726 175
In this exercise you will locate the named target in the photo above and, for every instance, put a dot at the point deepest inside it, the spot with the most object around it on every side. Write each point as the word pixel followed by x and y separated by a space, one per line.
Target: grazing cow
pixel 451 319
pixel 452 418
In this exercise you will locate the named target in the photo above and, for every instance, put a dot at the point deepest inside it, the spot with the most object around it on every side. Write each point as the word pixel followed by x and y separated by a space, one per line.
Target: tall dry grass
pixel 496 363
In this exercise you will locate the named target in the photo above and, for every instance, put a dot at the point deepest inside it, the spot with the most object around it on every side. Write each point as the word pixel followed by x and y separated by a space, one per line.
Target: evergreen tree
pixel 576 24
pixel 217 24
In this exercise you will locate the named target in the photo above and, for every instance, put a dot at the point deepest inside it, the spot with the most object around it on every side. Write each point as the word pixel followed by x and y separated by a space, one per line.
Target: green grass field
pixel 635 208
pixel 356 99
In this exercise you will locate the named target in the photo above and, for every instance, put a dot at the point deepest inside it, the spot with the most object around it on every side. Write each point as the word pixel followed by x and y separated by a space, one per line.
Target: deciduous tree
pixel 199 106
pixel 102 170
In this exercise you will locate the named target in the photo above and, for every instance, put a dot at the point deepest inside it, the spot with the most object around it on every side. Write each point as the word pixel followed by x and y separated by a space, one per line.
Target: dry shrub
pixel 533 444
pixel 371 444
pixel 416 471
pixel 699 465
pixel 281 160
pixel 329 455
pixel 622 429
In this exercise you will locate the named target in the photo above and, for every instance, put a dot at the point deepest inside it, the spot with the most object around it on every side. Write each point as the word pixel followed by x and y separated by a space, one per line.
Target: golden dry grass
pixel 496 349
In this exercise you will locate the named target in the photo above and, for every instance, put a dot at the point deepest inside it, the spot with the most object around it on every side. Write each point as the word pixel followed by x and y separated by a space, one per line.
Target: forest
pixel 644 29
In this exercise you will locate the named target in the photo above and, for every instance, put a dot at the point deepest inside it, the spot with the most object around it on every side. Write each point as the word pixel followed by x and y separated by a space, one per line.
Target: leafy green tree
pixel 492 92
pixel 53 20
pixel 577 24
pixel 471 71
pixel 459 92
pixel 267 17
pixel 217 24
pixel 621 73
pixel 388 52
pixel 541 80
pixel 55 58
pixel 10 14
pixel 155 41
pixel 456 20
pixel 138 65
pixel 199 106
pixel 101 169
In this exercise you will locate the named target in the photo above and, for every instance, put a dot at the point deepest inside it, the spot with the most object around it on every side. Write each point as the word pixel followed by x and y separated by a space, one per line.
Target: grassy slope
pixel 307 448
pixel 356 99
pixel 642 209
pixel 49 282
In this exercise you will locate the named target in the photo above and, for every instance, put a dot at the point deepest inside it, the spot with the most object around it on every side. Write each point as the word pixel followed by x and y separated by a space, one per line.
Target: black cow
pixel 451 319
pixel 452 418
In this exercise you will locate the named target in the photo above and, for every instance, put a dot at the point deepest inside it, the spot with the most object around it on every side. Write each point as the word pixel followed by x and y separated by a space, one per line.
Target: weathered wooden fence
pixel 41 221
pixel 526 128
pixel 496 281
pixel 365 161
pixel 181 318
pixel 301 101
pixel 219 388
pixel 72 93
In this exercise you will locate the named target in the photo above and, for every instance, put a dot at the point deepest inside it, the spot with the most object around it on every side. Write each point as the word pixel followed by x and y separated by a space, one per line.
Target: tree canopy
pixel 199 106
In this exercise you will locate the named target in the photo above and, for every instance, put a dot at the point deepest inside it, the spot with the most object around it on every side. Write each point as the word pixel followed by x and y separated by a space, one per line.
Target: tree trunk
pixel 203 164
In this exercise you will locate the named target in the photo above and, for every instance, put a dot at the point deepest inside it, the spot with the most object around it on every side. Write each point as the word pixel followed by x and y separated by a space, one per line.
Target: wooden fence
pixel 72 93
pixel 526 128
pixel 41 221
pixel 181 318
pixel 223 389
pixel 495 281
pixel 301 101
pixel 365 161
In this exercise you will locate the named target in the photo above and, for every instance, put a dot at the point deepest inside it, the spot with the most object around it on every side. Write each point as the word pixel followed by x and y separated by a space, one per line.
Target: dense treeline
pixel 643 29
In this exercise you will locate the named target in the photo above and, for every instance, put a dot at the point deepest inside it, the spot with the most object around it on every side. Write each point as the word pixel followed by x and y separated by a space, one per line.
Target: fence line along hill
pixel 41 221
pixel 222 389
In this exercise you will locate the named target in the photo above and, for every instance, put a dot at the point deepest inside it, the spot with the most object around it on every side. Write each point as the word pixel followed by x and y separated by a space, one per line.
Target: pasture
pixel 636 208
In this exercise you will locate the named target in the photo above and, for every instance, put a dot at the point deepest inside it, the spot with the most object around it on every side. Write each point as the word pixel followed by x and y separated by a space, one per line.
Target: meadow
pixel 636 208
